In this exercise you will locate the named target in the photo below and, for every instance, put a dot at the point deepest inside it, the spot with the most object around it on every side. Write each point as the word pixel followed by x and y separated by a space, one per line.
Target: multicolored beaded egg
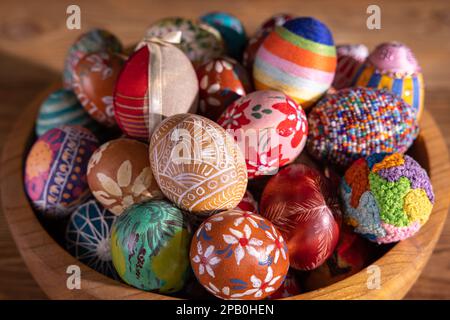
pixel 269 127
pixel 55 170
pixel 239 255
pixel 358 122
pixel 222 81
pixel 387 198
pixel 150 246
pixel 350 57
pixel 61 107
pixel 298 59
pixel 88 237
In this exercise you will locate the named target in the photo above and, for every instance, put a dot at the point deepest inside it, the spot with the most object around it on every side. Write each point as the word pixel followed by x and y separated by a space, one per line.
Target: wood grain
pixel 33 42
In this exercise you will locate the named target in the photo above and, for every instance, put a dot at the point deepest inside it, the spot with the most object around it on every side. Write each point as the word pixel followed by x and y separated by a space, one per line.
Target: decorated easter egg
pixel 197 165
pixel 55 170
pixel 222 81
pixel 358 122
pixel 270 128
pixel 290 287
pixel 88 237
pixel 303 205
pixel 248 203
pixel 94 40
pixel 199 41
pixel 157 81
pixel 150 246
pixel 61 107
pixel 258 38
pixel 387 198
pixel 237 256
pixel 298 59
pixel 93 81
pixel 119 175
pixel 393 66
pixel 350 57
pixel 231 30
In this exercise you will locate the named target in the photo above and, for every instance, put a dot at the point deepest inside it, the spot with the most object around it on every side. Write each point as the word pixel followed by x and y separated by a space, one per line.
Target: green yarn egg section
pixel 389 197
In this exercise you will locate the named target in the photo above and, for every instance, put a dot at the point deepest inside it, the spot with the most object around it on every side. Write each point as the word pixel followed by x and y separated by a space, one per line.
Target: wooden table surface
pixel 34 40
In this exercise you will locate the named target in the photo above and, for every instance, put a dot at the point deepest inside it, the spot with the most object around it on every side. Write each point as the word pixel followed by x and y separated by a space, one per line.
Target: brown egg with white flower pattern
pixel 119 175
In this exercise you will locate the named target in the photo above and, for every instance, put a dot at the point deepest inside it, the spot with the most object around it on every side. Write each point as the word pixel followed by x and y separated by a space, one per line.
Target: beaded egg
pixel 94 79
pixel 298 59
pixel 239 256
pixel 304 206
pixel 157 81
pixel 88 237
pixel 392 66
pixel 358 122
pixel 150 246
pixel 199 41
pixel 197 165
pixel 119 175
pixel 222 81
pixel 269 127
pixel 350 57
pixel 55 170
pixel 94 40
pixel 231 29
pixel 61 107
pixel 387 198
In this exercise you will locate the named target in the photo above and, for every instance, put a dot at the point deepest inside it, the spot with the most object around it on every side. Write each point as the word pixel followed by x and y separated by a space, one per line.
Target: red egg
pixel 303 205
pixel 290 287
pixel 248 203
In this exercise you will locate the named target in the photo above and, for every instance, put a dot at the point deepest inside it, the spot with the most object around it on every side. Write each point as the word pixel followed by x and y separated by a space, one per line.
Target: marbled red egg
pixel 239 256
pixel 222 81
pixel 303 205
pixel 270 128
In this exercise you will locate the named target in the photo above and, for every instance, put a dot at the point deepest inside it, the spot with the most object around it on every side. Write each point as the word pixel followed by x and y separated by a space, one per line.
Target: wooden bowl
pixel 48 261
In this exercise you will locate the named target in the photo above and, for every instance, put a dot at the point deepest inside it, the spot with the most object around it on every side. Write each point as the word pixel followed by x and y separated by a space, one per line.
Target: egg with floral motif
pixel 269 127
pixel 239 255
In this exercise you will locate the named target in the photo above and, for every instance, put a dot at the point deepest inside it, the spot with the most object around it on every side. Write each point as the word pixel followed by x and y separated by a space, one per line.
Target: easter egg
pixel 156 82
pixel 258 38
pixel 94 79
pixel 237 256
pixel 94 40
pixel 61 107
pixel 150 246
pixel 270 128
pixel 387 198
pixel 392 66
pixel 350 57
pixel 199 41
pixel 197 165
pixel 55 170
pixel 119 175
pixel 358 122
pixel 248 203
pixel 290 287
pixel 222 81
pixel 298 59
pixel 88 237
pixel 231 30
pixel 303 205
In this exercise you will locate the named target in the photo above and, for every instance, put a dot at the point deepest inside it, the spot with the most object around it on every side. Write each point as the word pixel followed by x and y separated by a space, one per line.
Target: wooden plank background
pixel 34 40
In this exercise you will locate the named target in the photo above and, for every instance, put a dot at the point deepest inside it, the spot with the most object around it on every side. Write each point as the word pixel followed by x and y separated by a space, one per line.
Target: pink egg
pixel 394 57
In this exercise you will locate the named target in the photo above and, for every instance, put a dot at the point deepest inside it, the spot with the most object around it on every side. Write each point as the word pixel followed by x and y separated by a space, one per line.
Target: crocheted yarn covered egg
pixel 350 57
pixel 392 66
pixel 156 82
pixel 231 30
pixel 88 237
pixel 387 198
pixel 269 127
pixel 222 81
pixel 297 58
pixel 199 41
pixel 55 170
pixel 61 107
pixel 94 40
pixel 239 256
pixel 358 122
pixel 150 246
